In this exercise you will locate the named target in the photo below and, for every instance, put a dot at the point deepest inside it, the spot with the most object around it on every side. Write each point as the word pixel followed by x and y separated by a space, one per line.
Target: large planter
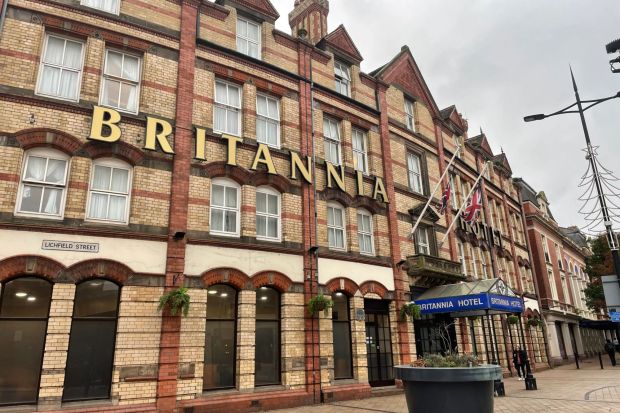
pixel 449 390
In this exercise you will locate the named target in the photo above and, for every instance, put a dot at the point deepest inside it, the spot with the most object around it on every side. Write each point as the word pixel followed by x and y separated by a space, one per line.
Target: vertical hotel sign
pixel 105 128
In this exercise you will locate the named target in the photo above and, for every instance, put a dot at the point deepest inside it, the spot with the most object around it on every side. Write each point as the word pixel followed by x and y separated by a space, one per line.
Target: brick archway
pixel 30 265
pixel 121 150
pixel 33 138
pixel 99 268
pixel 273 279
pixel 278 182
pixel 230 276
pixel 343 284
pixel 373 287
pixel 222 170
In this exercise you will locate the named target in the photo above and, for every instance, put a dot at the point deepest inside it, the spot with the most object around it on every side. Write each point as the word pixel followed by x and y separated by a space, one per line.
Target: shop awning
pixel 598 324
pixel 470 299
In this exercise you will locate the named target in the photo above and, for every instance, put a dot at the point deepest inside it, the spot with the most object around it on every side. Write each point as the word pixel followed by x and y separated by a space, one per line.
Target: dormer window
pixel 343 78
pixel 409 115
pixel 248 38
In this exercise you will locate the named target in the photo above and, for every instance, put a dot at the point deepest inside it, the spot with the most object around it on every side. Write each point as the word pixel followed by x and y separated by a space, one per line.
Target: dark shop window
pixel 219 367
pixel 267 358
pixel 24 310
pixel 90 358
pixel 343 361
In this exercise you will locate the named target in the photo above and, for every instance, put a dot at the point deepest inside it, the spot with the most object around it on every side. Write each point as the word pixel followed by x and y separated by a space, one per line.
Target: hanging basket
pixel 319 303
pixel 410 310
pixel 534 322
pixel 176 301
pixel 512 319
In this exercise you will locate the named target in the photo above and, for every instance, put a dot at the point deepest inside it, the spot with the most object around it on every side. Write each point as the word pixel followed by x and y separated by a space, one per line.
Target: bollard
pixel 600 359
pixel 577 360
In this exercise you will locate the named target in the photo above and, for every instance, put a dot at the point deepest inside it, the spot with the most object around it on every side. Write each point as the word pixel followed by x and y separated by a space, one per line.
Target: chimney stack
pixel 311 16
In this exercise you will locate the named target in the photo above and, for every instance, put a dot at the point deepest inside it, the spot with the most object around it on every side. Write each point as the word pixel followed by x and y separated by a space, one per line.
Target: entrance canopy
pixel 471 299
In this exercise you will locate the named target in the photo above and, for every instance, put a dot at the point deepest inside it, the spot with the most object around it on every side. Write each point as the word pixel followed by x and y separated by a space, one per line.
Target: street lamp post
pixel 591 157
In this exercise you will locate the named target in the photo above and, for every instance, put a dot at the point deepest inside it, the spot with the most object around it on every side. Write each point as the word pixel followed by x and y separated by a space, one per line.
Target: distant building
pixel 559 267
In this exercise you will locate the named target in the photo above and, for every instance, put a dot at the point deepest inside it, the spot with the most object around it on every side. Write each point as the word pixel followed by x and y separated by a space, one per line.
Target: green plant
pixel 534 322
pixel 450 360
pixel 512 319
pixel 410 309
pixel 175 300
pixel 319 303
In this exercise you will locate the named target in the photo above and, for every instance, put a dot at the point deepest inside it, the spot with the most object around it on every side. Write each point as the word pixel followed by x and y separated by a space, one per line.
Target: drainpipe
pixel 4 4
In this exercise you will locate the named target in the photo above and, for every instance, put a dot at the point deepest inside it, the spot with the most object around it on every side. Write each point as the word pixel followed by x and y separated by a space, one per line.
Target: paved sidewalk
pixel 561 390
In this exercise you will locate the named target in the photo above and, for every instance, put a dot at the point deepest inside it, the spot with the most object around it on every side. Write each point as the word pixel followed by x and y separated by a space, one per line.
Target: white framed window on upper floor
pixel 60 72
pixel 360 150
pixel 461 256
pixel 120 88
pixel 453 194
pixel 474 261
pixel 365 232
pixel 227 108
pixel 414 172
pixel 342 73
pixel 268 120
pixel 268 214
pixel 545 248
pixel 409 115
pixel 248 37
pixel 109 191
pixel 336 227
pixel 225 207
pixel 109 6
pixel 483 262
pixel 331 137
pixel 422 240
pixel 43 187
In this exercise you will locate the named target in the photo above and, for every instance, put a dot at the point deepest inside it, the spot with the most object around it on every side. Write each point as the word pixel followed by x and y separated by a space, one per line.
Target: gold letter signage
pixel 105 117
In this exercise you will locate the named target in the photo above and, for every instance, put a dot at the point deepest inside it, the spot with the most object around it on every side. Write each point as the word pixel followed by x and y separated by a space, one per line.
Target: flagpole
pixel 460 211
pixel 430 198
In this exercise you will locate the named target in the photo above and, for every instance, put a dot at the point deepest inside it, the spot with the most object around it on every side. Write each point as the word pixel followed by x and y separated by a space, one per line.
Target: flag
pixel 473 207
pixel 445 199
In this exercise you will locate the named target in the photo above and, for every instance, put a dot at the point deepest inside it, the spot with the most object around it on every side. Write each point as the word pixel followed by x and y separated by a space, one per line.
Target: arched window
pixel 365 233
pixel 225 207
pixel 267 358
pixel 109 191
pixel 341 325
pixel 88 373
pixel 336 234
pixel 43 187
pixel 24 311
pixel 220 343
pixel 268 207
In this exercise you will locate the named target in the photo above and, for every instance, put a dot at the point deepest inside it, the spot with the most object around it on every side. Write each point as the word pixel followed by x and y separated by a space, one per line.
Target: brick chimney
pixel 310 15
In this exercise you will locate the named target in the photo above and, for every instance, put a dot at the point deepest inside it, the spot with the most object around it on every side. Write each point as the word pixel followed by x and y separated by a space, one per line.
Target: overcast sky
pixel 498 60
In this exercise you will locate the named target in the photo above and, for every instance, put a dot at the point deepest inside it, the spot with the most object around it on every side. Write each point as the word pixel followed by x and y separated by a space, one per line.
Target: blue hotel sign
pixel 463 303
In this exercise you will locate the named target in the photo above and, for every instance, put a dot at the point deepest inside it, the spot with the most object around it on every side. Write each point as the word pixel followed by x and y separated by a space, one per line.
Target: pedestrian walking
pixel 519 362
pixel 611 351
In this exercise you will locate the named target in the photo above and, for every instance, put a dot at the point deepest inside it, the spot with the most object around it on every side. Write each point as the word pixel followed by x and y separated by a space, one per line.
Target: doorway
pixel 558 332
pixel 378 343
pixel 435 334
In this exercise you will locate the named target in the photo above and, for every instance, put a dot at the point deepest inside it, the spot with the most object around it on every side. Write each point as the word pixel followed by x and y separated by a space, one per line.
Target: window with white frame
pixel 422 240
pixel 268 120
pixel 365 233
pixel 453 195
pixel 109 6
pixel 43 186
pixel 248 38
pixel 120 88
pixel 336 235
pixel 60 74
pixel 474 260
pixel 483 262
pixel 461 256
pixel 108 194
pixel 227 112
pixel 360 150
pixel 225 206
pixel 409 115
pixel 268 207
pixel 545 248
pixel 343 78
pixel 414 171
pixel 331 137
pixel 457 144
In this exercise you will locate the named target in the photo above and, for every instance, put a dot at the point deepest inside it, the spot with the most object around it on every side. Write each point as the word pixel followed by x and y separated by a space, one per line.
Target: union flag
pixel 473 207
pixel 445 199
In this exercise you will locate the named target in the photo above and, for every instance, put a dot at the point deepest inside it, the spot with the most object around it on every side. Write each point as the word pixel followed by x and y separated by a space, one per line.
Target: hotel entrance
pixel 435 334
pixel 378 343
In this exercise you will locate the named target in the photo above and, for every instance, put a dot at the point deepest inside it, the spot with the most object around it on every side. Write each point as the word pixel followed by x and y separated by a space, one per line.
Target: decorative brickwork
pixel 97 268
pixel 32 138
pixel 122 150
pixel 30 265
pixel 229 276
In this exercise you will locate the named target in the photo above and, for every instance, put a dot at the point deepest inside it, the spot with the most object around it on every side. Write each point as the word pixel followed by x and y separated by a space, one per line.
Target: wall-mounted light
pixel 179 235
pixel 313 249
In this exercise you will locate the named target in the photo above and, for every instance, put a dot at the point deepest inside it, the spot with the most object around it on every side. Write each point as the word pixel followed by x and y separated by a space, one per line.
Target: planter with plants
pixel 175 301
pixel 447 384
pixel 319 303
pixel 410 310
pixel 512 319
pixel 534 322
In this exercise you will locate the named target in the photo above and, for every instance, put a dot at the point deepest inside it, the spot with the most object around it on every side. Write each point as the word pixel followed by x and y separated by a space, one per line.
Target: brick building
pixel 559 265
pixel 149 145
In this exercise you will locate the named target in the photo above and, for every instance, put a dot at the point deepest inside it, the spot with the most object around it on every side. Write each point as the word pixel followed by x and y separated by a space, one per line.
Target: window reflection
pixel 219 367
pixel 267 358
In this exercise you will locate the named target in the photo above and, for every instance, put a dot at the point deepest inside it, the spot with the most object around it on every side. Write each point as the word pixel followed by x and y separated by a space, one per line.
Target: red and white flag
pixel 445 199
pixel 473 207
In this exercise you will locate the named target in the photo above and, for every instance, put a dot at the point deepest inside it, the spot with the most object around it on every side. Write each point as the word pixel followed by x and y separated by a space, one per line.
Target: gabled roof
pixel 502 161
pixel 480 143
pixel 450 114
pixel 262 7
pixel 340 40
pixel 404 71
pixel 429 214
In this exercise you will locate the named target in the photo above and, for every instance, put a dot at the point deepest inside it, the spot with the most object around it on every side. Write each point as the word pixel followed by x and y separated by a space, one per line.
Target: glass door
pixel 379 348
